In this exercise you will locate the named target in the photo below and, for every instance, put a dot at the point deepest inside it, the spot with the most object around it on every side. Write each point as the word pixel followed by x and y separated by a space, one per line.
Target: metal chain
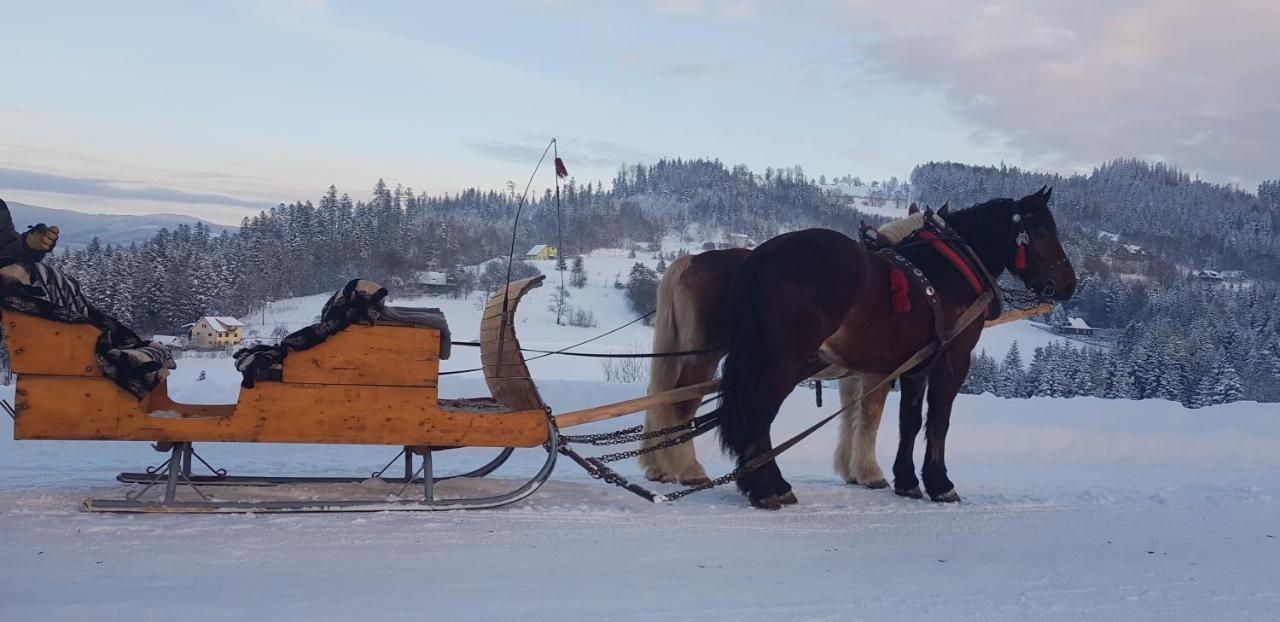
pixel 631 434
pixel 670 442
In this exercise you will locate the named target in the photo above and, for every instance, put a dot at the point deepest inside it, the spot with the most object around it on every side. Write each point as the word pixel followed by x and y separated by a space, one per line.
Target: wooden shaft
pixel 1040 309
pixel 673 396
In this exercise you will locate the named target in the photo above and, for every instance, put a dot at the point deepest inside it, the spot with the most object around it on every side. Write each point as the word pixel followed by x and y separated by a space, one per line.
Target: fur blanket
pixel 136 364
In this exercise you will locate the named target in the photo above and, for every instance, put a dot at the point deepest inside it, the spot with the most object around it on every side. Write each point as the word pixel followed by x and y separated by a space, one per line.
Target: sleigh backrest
pixel 45 347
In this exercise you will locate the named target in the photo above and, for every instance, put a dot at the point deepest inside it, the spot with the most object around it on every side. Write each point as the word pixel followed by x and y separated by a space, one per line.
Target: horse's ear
pixel 1041 190
pixel 945 210
pixel 928 212
pixel 913 210
pixel 1048 192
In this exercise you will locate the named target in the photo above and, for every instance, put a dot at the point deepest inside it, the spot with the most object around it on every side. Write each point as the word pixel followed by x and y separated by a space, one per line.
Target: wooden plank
pixel 510 356
pixel 370 356
pixel 69 408
pixel 508 377
pixel 672 396
pixel 492 334
pixel 40 346
pixel 1022 314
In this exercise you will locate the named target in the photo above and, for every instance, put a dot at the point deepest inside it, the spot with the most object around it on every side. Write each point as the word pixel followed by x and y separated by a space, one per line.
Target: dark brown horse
pixel 819 295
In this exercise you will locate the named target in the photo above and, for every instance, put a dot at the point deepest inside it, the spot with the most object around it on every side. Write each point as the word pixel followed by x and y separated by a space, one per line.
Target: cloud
pixel 576 152
pixel 1082 82
pixel 32 181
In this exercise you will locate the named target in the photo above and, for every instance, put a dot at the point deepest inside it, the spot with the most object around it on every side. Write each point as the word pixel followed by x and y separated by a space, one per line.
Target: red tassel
pixel 561 171
pixel 898 292
pixel 1020 259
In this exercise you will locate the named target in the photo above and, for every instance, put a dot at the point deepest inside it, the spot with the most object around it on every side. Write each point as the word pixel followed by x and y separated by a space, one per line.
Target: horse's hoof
pixel 767 503
pixel 655 475
pixel 913 493
pixel 878 484
pixel 788 498
pixel 949 496
pixel 696 480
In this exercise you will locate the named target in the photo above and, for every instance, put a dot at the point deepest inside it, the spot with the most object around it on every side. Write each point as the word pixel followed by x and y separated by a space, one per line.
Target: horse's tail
pixel 741 419
pixel 664 371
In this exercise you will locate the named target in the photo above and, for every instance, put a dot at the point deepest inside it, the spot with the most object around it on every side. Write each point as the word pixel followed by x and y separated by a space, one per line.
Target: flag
pixel 561 171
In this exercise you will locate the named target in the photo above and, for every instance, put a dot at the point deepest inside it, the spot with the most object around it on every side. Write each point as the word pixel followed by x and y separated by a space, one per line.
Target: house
pixel 738 240
pixel 1074 326
pixel 1225 278
pixel 212 332
pixel 1129 258
pixel 428 282
pixel 541 252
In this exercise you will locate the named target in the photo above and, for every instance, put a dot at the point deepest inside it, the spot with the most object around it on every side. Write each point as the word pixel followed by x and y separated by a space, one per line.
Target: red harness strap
pixel 954 258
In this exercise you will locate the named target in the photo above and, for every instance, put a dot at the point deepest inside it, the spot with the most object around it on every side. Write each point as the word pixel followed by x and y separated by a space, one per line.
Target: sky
pixel 218 110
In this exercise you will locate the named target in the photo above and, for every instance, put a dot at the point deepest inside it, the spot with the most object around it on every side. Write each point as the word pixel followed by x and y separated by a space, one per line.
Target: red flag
pixel 561 171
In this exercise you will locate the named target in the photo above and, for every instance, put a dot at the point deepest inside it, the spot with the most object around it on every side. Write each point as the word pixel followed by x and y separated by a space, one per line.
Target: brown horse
pixel 818 295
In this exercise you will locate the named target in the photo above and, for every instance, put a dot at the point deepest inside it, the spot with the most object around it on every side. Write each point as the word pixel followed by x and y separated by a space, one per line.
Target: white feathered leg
pixel 856 453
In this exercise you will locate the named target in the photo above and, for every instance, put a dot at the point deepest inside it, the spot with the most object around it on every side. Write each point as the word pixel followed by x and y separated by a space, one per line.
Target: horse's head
pixel 1037 256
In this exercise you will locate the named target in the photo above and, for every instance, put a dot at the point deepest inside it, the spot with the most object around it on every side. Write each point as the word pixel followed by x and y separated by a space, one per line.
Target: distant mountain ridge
pixel 78 228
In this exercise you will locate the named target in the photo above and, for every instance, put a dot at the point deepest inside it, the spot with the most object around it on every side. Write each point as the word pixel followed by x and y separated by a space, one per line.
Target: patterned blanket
pixel 136 364
pixel 359 302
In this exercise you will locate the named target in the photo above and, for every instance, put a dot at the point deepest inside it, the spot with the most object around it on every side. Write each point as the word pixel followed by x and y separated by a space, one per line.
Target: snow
pixel 888 210
pixel 1073 509
pixel 1077 323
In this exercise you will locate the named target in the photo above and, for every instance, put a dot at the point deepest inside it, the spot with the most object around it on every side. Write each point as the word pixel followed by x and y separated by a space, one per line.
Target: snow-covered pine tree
pixel 1011 377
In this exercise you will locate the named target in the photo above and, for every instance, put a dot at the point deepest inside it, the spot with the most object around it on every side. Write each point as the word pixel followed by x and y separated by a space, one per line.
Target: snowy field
pixel 1079 509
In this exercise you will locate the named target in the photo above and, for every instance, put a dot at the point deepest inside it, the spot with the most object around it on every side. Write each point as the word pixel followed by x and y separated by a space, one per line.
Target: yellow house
pixel 541 251
pixel 216 332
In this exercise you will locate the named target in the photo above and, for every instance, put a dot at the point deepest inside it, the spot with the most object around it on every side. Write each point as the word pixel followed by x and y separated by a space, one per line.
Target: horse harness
pixel 935 235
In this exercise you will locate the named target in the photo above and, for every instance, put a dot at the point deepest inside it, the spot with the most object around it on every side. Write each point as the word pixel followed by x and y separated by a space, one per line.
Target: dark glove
pixel 41 239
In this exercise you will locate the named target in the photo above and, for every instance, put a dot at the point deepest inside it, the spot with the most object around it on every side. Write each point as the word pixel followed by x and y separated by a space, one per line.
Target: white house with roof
pixel 1075 326
pixel 217 331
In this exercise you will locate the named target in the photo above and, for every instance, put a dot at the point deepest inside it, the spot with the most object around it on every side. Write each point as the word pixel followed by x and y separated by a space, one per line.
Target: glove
pixel 42 239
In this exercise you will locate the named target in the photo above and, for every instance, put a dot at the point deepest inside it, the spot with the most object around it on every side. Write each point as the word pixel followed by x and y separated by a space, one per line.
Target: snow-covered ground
pixel 1073 509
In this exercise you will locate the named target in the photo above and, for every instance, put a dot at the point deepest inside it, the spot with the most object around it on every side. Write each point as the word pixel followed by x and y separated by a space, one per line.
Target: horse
pixel 817 294
pixel 692 316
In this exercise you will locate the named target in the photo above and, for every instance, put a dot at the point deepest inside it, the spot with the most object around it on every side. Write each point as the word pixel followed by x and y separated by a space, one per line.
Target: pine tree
pixel 1119 385
pixel 642 288
pixel 578 275
pixel 1011 377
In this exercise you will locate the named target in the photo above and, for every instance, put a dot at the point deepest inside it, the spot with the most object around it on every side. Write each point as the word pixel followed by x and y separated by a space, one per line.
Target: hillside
pixel 79 228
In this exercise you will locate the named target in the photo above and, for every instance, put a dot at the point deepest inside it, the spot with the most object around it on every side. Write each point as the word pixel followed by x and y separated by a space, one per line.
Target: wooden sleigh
pixel 368 385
